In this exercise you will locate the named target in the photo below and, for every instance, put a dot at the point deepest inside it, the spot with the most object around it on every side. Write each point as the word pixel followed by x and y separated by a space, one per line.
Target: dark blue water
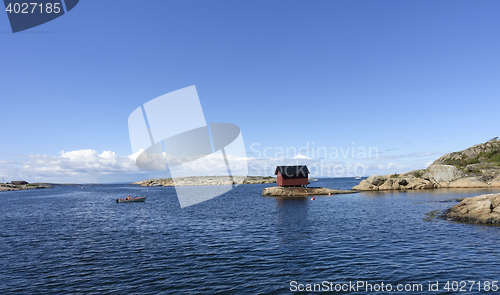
pixel 73 240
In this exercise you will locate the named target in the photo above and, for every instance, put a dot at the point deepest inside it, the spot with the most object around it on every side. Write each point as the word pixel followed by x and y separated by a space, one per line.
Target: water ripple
pixel 73 240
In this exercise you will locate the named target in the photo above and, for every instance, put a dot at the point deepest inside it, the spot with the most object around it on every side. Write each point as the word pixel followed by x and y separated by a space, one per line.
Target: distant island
pixel 206 180
pixel 474 167
pixel 22 185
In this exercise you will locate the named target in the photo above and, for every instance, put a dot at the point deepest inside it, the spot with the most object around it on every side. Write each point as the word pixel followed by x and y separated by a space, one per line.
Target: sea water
pixel 74 239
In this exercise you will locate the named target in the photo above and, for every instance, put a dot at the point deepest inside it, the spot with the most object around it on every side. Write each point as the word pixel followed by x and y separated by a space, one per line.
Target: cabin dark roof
pixel 292 171
pixel 19 182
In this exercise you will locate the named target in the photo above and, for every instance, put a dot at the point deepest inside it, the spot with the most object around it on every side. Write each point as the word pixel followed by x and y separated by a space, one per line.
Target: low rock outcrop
pixel 495 182
pixel 391 182
pixel 278 191
pixel 6 187
pixel 480 209
pixel 442 173
pixel 472 182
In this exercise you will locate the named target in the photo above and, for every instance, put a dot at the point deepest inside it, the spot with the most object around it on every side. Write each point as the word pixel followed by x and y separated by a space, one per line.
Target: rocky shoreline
pixel 436 176
pixel 6 187
pixel 206 180
pixel 475 167
pixel 278 191
pixel 483 209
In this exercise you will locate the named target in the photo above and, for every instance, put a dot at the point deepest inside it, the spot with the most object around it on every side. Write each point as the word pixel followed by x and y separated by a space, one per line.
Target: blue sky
pixel 416 79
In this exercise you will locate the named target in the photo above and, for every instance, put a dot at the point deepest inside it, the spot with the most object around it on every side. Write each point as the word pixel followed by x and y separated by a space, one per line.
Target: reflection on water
pixel 72 240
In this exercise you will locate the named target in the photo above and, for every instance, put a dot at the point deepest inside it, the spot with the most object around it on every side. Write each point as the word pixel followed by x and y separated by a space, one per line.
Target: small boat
pixel 140 199
pixel 357 177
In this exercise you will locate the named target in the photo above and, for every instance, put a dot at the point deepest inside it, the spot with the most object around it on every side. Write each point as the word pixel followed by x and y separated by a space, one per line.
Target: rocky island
pixel 224 180
pixel 475 167
pixel 207 180
pixel 483 209
pixel 22 185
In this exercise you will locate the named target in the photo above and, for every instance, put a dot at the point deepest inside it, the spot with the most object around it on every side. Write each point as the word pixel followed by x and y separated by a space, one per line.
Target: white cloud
pixel 71 166
pixel 410 155
pixel 213 164
pixel 91 161
pixel 396 166
pixel 301 157
pixel 81 166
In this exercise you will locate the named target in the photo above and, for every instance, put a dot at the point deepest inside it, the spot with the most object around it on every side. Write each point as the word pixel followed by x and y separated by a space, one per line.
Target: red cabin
pixel 292 175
